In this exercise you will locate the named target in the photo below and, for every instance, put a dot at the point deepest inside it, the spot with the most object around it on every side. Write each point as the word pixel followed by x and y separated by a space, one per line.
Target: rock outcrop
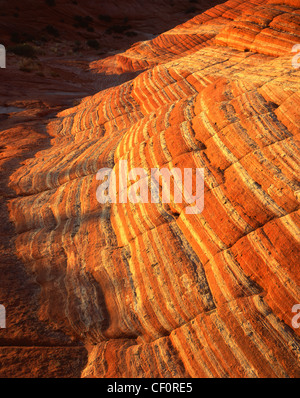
pixel 114 24
pixel 146 289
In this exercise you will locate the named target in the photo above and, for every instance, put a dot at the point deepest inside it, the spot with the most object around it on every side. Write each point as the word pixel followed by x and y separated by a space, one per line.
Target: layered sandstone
pixel 146 289
pixel 114 24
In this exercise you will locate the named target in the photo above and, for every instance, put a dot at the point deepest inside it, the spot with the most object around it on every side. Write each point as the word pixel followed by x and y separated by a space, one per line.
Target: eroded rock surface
pixel 147 289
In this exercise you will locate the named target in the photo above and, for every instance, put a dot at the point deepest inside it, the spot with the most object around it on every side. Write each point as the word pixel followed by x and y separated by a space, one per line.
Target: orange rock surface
pixel 146 290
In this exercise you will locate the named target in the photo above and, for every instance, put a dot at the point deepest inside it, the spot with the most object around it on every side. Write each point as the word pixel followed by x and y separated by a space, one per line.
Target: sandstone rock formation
pixel 113 24
pixel 146 290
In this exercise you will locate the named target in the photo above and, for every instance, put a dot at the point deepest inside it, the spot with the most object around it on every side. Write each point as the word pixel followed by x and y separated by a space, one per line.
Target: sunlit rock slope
pixel 149 290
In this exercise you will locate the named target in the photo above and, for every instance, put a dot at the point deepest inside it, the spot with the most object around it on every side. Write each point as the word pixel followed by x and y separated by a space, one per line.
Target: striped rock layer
pixel 150 290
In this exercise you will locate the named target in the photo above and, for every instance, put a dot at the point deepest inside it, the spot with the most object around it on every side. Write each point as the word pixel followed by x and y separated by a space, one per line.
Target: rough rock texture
pixel 113 23
pixel 149 290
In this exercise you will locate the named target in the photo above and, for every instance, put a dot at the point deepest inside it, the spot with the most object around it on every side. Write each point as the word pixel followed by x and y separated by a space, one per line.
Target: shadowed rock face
pixel 114 24
pixel 146 289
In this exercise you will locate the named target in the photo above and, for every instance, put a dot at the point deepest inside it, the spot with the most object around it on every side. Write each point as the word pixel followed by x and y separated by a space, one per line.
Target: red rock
pixel 146 289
